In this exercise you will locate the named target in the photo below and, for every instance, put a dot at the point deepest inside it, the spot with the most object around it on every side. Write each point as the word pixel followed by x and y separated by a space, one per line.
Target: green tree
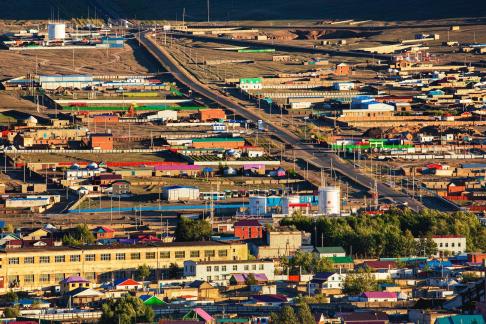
pixel 250 279
pixel 80 235
pixel 11 297
pixel 324 265
pixel 304 313
pixel 143 272
pixel 9 228
pixel 285 316
pixel 358 282
pixel 426 247
pixel 11 312
pixel 189 230
pixel 173 271
pixel 126 310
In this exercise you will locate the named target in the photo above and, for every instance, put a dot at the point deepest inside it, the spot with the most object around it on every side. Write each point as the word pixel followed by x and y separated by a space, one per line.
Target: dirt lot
pixel 95 61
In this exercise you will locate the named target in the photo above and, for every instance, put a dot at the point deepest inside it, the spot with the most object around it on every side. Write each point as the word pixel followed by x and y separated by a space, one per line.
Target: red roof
pixel 247 222
pixel 447 236
pixel 380 264
pixel 127 282
pixel 379 294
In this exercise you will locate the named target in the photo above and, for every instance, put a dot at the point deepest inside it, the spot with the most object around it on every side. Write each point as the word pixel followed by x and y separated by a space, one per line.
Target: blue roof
pixel 179 187
pixel 473 165
pixel 461 319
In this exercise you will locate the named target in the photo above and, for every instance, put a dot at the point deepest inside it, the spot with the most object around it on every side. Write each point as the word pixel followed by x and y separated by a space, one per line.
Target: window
pixel 149 255
pixel 447 245
pixel 45 259
pixel 209 253
pixel 452 244
pixel 253 267
pixel 135 256
pixel 194 254
pixel 180 254
pixel 216 268
pixel 247 267
pixel 223 253
pixel 105 257
pixel 223 268
pixel 28 278
pixel 260 267
pixel 90 257
pixel 235 267
pixel 165 255
pixel 90 275
pixel 44 277
pixel 75 258
pixel 59 258
pixel 120 256
pixel 59 277
pixel 13 261
pixel 458 244
pixel 29 260
pixel 440 245
pixel 208 268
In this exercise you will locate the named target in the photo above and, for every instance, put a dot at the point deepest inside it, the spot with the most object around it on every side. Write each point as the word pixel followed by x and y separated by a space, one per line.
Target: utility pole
pixel 208 9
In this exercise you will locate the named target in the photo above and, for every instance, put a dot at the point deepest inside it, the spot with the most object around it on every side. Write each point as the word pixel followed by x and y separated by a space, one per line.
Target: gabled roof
pixel 323 275
pixel 152 300
pixel 338 260
pixel 126 282
pixel 74 279
pixel 242 277
pixel 461 319
pixel 197 313
pixel 84 292
pixel 365 317
pixel 380 264
pixel 330 249
pixel 270 298
pixel 103 229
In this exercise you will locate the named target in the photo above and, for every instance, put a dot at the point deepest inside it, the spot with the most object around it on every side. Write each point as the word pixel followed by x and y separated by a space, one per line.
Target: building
pixel 105 119
pixel 379 296
pixel 330 251
pixel 103 232
pixel 105 179
pixel 221 271
pixel 74 282
pixel 180 193
pixel 211 114
pixel 120 187
pixel 251 84
pixel 449 244
pixel 101 141
pixel 461 319
pixel 326 281
pixel 277 244
pixel 248 229
pixel 36 268
pixel 218 142
pixel 342 69
pixel 342 263
pixel 365 318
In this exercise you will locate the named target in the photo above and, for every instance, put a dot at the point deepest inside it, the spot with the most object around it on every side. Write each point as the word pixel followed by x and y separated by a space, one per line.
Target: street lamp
pixel 305 127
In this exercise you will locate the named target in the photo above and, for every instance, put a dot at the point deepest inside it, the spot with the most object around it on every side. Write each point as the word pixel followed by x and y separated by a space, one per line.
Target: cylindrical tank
pixel 56 31
pixel 258 205
pixel 286 201
pixel 330 200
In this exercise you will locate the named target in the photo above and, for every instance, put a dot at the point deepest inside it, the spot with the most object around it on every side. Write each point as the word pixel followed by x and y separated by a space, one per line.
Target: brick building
pixel 248 229
pixel 101 141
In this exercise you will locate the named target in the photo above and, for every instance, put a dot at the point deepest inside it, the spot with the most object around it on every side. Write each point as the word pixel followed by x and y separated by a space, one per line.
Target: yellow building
pixel 33 268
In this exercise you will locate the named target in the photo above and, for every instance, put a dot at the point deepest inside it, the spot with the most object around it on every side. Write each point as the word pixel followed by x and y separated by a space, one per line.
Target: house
pixel 342 69
pixel 379 266
pixel 103 232
pixel 180 193
pixel 342 263
pixel 205 290
pixel 330 251
pixel 449 244
pixel 326 281
pixel 31 302
pixel 152 300
pixel 101 141
pixel 120 187
pixel 221 271
pixel 268 300
pixel 211 114
pixel 105 179
pixel 74 282
pixel 248 229
pixel 83 296
pixel 199 314
pixel 6 237
pixel 242 278
pixel 379 296
pixel 36 234
pixel 127 284
pixel 365 318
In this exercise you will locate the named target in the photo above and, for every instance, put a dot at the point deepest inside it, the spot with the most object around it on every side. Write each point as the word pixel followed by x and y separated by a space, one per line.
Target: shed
pixel 180 193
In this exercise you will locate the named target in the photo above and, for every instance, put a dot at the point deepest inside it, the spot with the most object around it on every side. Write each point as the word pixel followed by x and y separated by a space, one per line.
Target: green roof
pixel 461 319
pixel 218 139
pixel 345 259
pixel 330 249
pixel 232 320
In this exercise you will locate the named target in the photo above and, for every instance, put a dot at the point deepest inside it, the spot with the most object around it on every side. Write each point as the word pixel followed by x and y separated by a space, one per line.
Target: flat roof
pixel 231 261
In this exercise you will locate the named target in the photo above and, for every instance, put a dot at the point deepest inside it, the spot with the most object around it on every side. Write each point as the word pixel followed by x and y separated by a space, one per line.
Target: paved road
pixel 319 160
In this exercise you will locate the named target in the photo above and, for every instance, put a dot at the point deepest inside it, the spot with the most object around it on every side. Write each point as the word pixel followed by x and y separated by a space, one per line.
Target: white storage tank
pixel 287 201
pixel 330 200
pixel 258 205
pixel 56 31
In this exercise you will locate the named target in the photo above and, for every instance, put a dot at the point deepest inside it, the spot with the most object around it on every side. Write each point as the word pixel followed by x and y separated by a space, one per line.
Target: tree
pixel 189 230
pixel 173 271
pixel 285 316
pixel 304 313
pixel 9 228
pixel 80 235
pixel 250 280
pixel 11 312
pixel 11 297
pixel 126 310
pixel 358 282
pixel 426 247
pixel 324 265
pixel 143 272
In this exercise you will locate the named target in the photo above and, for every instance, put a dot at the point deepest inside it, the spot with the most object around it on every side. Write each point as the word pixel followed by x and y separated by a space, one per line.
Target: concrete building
pixel 450 244
pixel 35 268
pixel 211 114
pixel 251 84
pixel 101 141
pixel 221 271
pixel 218 142
pixel 180 193
pixel 342 69
pixel 248 229
pixel 277 244
pixel 330 251
pixel 326 281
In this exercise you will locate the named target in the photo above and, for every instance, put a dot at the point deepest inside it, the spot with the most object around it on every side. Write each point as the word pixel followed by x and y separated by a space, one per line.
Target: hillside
pixel 251 9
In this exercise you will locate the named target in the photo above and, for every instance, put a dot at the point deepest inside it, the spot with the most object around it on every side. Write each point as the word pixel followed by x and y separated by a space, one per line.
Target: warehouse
pixel 180 193
pixel 218 142
pixel 211 114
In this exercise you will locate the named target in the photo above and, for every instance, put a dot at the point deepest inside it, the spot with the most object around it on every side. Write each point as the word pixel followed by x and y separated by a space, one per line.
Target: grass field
pixel 224 10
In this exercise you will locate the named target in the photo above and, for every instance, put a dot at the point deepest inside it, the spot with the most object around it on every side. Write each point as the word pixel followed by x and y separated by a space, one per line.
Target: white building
pixel 451 244
pixel 163 115
pixel 251 84
pixel 325 281
pixel 343 86
pixel 180 193
pixel 221 271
